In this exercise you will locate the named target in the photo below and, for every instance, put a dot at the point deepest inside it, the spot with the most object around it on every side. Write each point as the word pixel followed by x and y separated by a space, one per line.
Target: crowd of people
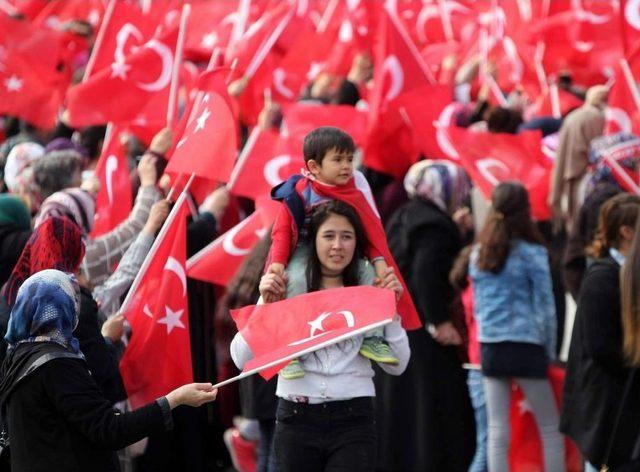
pixel 487 280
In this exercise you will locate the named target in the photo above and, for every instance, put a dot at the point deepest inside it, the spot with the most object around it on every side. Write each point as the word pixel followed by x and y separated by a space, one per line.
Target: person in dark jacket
pixel 437 432
pixel 54 412
pixel 597 374
pixel 15 229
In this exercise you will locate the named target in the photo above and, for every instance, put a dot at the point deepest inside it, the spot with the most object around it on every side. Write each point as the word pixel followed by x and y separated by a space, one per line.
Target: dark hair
pixel 320 215
pixel 91 138
pixel 322 140
pixel 630 300
pixel 620 210
pixel 503 120
pixel 509 218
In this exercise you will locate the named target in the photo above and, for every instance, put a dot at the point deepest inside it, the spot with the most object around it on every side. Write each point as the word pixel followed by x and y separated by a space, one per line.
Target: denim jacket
pixel 516 304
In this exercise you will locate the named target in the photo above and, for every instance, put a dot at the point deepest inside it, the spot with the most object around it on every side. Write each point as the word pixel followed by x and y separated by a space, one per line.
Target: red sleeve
pixel 281 237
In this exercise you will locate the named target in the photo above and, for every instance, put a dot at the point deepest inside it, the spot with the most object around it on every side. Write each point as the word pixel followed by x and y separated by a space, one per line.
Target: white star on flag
pixel 209 40
pixel 13 83
pixel 202 120
pixel 316 325
pixel 524 407
pixel 119 69
pixel 172 319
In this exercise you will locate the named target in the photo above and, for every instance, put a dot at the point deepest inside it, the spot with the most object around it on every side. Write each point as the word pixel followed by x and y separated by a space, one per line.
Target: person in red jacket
pixel 328 154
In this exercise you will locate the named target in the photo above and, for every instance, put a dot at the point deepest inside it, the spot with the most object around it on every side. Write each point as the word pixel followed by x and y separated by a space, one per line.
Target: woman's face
pixel 335 244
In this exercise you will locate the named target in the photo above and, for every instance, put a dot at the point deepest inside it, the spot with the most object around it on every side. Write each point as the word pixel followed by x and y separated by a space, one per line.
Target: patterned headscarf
pixel 13 212
pixel 46 310
pixel 442 182
pixel 20 157
pixel 55 244
pixel 74 203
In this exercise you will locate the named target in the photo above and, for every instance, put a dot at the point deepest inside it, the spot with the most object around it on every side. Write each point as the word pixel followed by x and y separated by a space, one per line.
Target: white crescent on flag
pixel 174 266
pixel 167 64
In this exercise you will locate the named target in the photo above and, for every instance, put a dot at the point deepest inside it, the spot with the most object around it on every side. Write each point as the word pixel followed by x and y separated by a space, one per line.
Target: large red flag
pixel 113 203
pixel 491 158
pixel 622 113
pixel 525 450
pixel 266 160
pixel 278 332
pixel 208 146
pixel 210 26
pixel 135 89
pixel 30 93
pixel 158 356
pixel 301 118
pixel 219 261
pixel 55 14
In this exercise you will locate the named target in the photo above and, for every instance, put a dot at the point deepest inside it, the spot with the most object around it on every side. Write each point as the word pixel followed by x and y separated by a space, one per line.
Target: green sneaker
pixel 376 349
pixel 293 370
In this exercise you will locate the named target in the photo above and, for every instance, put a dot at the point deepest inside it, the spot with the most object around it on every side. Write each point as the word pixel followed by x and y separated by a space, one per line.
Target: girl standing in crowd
pixel 53 410
pixel 315 431
pixel 515 313
pixel 596 414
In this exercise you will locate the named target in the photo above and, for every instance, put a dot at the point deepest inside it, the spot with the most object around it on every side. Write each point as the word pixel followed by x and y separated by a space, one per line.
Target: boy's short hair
pixel 322 140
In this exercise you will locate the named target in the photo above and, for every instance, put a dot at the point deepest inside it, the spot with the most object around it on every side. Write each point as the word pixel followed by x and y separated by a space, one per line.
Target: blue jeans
pixel 476 393
pixel 266 457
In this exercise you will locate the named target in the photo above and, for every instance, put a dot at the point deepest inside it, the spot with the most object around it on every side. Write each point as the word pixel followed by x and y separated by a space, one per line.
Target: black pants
pixel 332 436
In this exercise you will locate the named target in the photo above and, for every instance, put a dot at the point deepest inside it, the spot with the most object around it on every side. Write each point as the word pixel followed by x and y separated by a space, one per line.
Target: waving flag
pixel 491 158
pixel 208 146
pixel 219 261
pixel 267 159
pixel 114 201
pixel 134 89
pixel 278 332
pixel 158 357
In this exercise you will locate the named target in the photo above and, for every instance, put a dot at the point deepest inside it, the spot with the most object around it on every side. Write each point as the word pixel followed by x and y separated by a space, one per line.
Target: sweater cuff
pixel 166 413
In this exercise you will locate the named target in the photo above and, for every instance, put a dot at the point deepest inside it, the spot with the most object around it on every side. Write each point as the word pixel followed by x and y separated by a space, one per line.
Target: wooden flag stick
pixel 154 247
pixel 631 83
pixel 99 39
pixel 177 60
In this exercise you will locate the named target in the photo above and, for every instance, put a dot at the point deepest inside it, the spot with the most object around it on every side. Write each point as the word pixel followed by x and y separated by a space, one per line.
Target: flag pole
pixel 326 16
pixel 539 66
pixel 154 247
pixel 99 39
pixel 307 350
pixel 445 18
pixel 631 83
pixel 175 73
pixel 264 49
pixel 555 101
pixel 246 150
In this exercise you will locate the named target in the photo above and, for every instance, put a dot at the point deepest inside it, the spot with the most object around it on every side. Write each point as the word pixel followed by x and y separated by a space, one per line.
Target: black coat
pixel 425 416
pixel 12 242
pixel 58 419
pixel 596 372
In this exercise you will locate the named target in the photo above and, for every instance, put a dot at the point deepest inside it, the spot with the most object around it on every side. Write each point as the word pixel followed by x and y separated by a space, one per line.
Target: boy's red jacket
pixel 292 214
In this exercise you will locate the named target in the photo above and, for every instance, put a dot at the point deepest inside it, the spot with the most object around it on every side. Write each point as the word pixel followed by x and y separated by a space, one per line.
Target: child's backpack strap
pixel 287 193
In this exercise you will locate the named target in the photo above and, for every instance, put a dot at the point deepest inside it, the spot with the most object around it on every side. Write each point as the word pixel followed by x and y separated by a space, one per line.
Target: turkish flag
pixel 127 29
pixel 491 158
pixel 112 171
pixel 621 159
pixel 158 356
pixel 399 69
pixel 136 89
pixel 210 27
pixel 280 331
pixel 525 451
pixel 566 102
pixel 219 261
pixel 301 119
pixel 29 92
pixel 266 160
pixel 622 113
pixel 208 147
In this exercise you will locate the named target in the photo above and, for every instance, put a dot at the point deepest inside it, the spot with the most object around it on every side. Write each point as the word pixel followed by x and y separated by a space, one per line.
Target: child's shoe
pixel 376 349
pixel 293 370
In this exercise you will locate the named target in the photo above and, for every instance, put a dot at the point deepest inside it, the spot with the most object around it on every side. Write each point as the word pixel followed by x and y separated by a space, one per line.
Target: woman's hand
pixel 273 287
pixel 390 281
pixel 446 334
pixel 194 394
pixel 113 328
